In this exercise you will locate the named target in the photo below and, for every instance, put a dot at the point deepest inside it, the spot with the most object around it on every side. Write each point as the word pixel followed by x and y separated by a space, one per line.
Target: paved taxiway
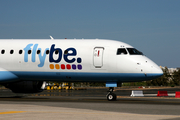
pixel 88 104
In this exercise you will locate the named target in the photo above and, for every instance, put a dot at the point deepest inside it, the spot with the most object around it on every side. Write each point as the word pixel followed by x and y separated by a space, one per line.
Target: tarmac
pixel 89 104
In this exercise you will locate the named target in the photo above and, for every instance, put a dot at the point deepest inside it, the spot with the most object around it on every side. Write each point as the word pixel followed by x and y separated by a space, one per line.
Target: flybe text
pixel 42 56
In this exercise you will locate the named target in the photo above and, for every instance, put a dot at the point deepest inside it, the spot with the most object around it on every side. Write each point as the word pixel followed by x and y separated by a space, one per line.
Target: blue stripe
pixel 6 76
pixel 84 76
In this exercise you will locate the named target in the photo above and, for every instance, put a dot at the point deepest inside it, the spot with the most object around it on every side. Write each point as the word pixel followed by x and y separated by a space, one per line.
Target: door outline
pixel 98 57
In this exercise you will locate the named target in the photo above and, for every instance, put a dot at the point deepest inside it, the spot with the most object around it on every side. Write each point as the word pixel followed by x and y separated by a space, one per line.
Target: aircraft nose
pixel 157 71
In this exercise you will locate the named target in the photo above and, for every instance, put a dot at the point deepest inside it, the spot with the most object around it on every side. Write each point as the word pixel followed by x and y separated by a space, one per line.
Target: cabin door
pixel 98 57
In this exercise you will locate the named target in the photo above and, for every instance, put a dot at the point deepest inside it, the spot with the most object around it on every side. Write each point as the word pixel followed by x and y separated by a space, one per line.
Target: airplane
pixel 26 64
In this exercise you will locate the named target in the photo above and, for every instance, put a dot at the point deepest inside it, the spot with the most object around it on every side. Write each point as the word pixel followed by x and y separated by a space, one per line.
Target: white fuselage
pixel 73 60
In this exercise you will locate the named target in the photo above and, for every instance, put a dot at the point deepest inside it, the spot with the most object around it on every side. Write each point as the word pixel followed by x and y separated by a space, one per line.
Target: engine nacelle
pixel 26 86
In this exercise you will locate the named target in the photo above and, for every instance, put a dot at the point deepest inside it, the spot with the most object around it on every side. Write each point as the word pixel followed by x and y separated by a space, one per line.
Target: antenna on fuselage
pixel 51 37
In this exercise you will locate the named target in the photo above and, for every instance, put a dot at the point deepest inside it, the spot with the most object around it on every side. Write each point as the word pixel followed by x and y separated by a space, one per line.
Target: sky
pixel 151 26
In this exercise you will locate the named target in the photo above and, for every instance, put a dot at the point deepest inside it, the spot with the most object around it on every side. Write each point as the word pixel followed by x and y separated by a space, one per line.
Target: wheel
pixel 111 96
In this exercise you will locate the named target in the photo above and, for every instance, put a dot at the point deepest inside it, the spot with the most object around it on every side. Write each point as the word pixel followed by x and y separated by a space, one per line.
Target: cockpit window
pixel 133 51
pixel 121 51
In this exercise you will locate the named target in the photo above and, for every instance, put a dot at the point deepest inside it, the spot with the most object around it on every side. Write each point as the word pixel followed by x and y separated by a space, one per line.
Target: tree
pixel 176 77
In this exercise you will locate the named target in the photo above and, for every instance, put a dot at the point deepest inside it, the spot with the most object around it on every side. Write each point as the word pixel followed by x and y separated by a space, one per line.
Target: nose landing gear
pixel 111 96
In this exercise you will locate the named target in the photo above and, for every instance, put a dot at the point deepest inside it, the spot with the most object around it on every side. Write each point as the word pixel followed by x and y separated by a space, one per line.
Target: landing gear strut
pixel 111 96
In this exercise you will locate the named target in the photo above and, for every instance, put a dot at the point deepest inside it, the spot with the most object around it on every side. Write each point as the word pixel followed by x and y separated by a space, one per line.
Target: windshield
pixel 133 51
pixel 121 51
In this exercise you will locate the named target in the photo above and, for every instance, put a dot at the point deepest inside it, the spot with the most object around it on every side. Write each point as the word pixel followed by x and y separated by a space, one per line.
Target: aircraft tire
pixel 111 97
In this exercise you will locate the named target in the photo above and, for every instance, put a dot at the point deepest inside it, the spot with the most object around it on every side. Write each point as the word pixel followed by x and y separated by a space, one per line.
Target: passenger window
pixel 121 51
pixel 66 52
pixel 29 51
pixel 56 52
pixel 2 51
pixel 38 51
pixel 20 51
pixel 47 51
pixel 11 51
